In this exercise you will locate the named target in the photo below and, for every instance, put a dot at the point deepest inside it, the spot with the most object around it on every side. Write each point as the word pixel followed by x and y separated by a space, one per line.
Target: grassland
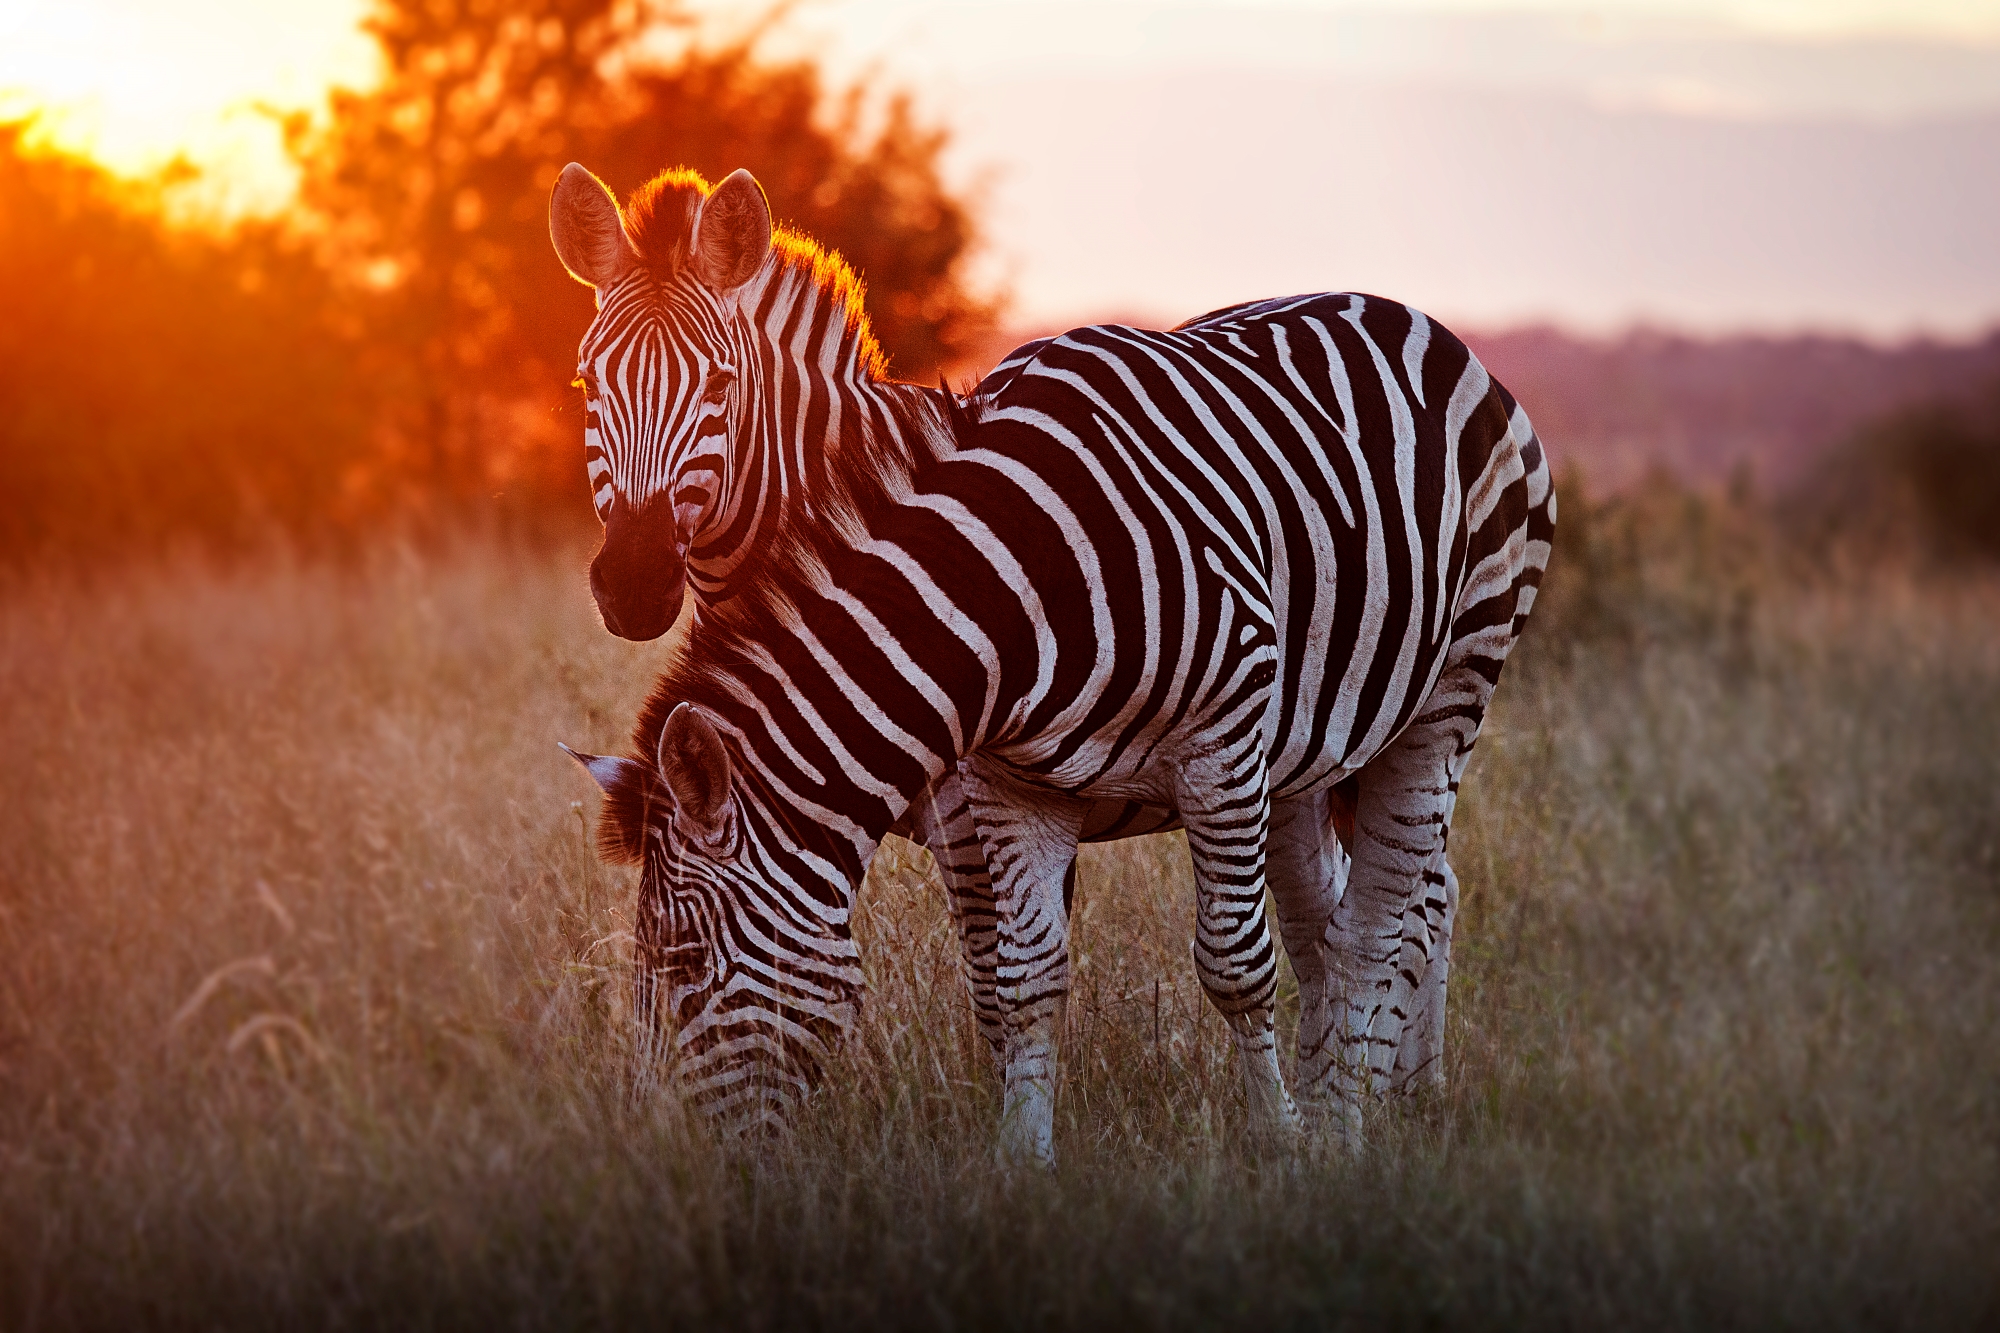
pixel 312 1012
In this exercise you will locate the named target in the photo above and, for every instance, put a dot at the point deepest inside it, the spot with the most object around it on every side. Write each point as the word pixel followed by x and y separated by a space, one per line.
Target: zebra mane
pixel 634 798
pixel 659 217
pixel 728 637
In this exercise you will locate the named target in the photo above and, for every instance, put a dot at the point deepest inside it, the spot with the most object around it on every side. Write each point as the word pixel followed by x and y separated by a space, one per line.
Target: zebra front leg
pixel 1227 810
pixel 1029 837
pixel 946 827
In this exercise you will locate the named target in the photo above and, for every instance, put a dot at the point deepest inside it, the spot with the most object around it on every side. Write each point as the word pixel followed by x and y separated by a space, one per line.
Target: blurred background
pixel 280 272
pixel 315 1001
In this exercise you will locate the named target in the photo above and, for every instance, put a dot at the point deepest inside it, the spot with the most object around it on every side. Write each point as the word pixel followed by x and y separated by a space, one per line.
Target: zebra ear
pixel 732 233
pixel 587 229
pixel 605 769
pixel 632 797
pixel 696 768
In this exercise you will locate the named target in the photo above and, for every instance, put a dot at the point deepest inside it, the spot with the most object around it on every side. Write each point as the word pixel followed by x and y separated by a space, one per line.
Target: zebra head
pixel 659 367
pixel 745 982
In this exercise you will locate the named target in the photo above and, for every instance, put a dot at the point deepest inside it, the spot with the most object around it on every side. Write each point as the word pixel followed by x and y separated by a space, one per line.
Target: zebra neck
pixel 859 665
pixel 818 425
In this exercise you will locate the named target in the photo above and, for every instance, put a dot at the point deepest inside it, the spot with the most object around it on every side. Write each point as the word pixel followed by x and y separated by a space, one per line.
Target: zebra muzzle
pixel 640 573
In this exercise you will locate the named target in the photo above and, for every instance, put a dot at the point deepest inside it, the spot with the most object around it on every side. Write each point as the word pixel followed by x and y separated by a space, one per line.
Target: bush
pixel 156 383
pixel 1924 481
pixel 398 351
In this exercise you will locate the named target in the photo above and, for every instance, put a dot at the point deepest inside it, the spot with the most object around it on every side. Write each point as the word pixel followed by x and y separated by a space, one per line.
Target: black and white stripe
pixel 729 373
pixel 1221 570
pixel 719 396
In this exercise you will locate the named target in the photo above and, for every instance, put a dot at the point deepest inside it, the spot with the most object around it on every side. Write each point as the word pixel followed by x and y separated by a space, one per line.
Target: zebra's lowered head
pixel 659 367
pixel 746 1003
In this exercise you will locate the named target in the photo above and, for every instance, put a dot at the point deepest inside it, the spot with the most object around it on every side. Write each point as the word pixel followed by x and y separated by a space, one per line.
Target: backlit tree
pixel 431 193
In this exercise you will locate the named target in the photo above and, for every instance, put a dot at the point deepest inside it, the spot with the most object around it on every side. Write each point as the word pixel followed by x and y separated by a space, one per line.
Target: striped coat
pixel 1221 570
pixel 722 380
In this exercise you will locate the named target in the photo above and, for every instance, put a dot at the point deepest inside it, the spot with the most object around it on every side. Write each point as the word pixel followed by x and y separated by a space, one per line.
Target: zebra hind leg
pixel 1420 1052
pixel 1307 869
pixel 1383 933
pixel 1234 954
pixel 1307 863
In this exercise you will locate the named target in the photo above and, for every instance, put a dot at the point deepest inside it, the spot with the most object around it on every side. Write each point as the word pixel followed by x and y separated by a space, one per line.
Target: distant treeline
pixel 1853 446
pixel 399 348
pixel 1703 410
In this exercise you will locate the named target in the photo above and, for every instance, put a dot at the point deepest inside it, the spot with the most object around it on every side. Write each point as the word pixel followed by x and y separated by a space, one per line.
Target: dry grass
pixel 312 1009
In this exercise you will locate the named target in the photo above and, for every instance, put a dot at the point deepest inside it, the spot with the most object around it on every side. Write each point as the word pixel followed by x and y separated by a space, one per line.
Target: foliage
pixel 155 382
pixel 1661 565
pixel 399 349
pixel 1923 480
pixel 434 190
pixel 315 1006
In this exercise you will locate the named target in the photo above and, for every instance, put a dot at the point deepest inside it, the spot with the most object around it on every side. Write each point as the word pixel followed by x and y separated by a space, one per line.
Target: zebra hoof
pixel 1027 1127
pixel 1335 1122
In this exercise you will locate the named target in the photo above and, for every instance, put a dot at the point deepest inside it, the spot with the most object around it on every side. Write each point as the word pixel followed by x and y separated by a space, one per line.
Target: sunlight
pixel 135 85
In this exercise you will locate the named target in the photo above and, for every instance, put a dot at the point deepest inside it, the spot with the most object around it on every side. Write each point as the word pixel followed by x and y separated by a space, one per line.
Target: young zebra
pixel 718 365
pixel 1122 581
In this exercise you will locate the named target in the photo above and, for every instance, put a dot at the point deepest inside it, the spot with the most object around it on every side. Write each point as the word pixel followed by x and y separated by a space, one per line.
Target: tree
pixel 158 385
pixel 431 192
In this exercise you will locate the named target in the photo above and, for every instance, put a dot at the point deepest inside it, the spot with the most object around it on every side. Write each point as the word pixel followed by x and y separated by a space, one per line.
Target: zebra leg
pixel 1307 870
pixel 1030 838
pixel 1383 931
pixel 1420 1053
pixel 1227 811
pixel 942 821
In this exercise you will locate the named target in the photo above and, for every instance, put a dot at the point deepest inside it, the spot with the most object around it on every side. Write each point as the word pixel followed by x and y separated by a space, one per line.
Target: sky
pixel 1709 165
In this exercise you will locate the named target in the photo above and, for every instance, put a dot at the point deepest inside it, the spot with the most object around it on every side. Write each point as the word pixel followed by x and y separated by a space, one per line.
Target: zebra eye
pixel 718 384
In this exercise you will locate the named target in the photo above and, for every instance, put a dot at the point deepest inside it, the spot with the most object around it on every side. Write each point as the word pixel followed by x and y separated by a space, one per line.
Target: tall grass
pixel 313 1004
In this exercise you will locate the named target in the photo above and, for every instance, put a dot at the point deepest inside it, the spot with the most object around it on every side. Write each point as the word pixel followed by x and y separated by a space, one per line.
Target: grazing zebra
pixel 1117 579
pixel 709 399
pixel 689 473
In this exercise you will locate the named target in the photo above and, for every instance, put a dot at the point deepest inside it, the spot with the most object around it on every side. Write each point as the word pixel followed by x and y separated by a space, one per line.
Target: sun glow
pixel 136 85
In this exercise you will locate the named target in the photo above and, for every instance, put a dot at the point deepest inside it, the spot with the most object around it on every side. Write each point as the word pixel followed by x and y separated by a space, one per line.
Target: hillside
pixel 1616 408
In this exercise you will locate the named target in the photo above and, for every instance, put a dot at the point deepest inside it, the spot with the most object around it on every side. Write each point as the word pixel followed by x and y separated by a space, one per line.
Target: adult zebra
pixel 695 460
pixel 1028 597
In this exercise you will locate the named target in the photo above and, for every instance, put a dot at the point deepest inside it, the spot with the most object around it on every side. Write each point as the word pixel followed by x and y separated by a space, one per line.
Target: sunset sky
pixel 1708 164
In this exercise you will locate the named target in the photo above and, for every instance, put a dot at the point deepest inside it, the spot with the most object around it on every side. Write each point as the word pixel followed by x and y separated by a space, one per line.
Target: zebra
pixel 689 474
pixel 950 602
